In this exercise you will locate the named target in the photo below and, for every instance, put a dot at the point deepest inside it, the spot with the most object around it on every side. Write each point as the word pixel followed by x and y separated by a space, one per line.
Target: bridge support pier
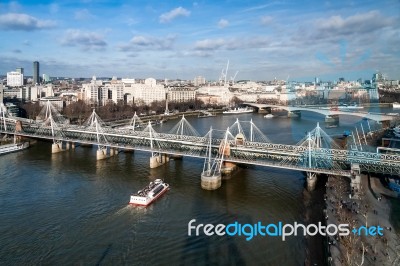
pixel 210 182
pixel 55 148
pixel 71 145
pixel 175 157
pixel 113 151
pixel 58 147
pixel 355 182
pixel 311 181
pixel 332 119
pixel 264 110
pixel 227 168
pixel 295 114
pixel 158 160
pixel 101 154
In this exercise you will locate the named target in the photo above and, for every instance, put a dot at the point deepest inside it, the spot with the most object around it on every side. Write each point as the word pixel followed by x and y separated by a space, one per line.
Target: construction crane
pixel 234 77
pixel 224 74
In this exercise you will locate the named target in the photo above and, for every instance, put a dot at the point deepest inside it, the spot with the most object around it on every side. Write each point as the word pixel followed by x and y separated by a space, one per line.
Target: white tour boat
pixel 396 105
pixel 8 148
pixel 150 193
pixel 268 116
pixel 349 107
pixel 238 111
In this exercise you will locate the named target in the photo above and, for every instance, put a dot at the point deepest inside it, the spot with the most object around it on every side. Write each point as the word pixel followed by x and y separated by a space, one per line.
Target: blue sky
pixel 183 39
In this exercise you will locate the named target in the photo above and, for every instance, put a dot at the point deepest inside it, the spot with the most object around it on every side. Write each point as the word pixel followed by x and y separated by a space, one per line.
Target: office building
pixel 1 93
pixel 181 95
pixel 36 79
pixel 20 70
pixel 15 79
pixel 199 80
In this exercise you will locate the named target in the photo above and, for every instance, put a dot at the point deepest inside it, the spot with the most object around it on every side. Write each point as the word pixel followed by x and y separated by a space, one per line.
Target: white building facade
pixel 181 95
pixel 199 80
pixel 15 79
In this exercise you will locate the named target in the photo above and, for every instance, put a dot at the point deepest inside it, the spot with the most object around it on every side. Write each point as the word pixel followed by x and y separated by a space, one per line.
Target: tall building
pixel 199 80
pixel 1 93
pixel 20 70
pixel 45 78
pixel 36 79
pixel 15 79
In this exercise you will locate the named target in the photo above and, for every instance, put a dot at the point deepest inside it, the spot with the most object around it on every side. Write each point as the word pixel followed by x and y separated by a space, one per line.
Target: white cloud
pixel 174 13
pixel 85 39
pixel 356 24
pixel 253 8
pixel 19 21
pixel 209 44
pixel 232 43
pixel 222 23
pixel 142 42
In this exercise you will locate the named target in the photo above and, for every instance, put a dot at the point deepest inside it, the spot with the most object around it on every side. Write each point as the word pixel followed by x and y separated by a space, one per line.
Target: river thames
pixel 68 208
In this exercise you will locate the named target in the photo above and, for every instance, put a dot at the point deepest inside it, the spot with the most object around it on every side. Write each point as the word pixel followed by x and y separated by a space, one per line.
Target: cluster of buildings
pixel 131 91
pixel 17 79
pixel 102 91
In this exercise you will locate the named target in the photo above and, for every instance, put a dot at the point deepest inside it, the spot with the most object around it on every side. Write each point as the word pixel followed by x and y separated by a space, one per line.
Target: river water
pixel 68 208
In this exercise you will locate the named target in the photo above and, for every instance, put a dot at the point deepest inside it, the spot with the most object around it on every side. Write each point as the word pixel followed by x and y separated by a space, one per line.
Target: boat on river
pixel 150 193
pixel 13 147
pixel 396 105
pixel 238 111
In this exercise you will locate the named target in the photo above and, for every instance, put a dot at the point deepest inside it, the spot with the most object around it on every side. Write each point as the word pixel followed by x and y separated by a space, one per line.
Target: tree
pixel 235 101
pixel 31 109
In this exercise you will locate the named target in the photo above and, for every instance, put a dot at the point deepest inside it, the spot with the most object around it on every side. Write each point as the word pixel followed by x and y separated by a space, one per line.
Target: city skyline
pixel 262 40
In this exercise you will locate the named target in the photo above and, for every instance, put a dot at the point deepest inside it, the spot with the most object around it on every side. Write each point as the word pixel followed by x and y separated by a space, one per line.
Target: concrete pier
pixel 210 182
pixel 228 168
pixel 175 157
pixel 158 160
pixel 101 154
pixel 113 151
pixel 332 118
pixel 264 110
pixel 60 147
pixel 294 114
pixel 311 181
pixel 355 182
pixel 72 145
pixel 56 148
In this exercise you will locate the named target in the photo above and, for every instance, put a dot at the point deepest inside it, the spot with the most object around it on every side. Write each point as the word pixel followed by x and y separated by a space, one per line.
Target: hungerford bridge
pixel 241 143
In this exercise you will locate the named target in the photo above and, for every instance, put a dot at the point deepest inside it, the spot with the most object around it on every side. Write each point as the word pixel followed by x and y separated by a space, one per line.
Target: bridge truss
pixel 242 143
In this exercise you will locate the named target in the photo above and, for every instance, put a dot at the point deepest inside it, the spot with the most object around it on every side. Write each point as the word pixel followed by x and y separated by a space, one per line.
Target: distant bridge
pixel 327 112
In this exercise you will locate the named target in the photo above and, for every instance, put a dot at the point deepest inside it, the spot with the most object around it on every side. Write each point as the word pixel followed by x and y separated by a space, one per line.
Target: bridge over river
pixel 221 150
pixel 329 113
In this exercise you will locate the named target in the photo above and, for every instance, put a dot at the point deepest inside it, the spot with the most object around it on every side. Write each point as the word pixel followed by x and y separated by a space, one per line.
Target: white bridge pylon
pixel 184 128
pixel 249 131
pixel 49 110
pixel 152 134
pixel 315 141
pixel 135 122
pixel 95 123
